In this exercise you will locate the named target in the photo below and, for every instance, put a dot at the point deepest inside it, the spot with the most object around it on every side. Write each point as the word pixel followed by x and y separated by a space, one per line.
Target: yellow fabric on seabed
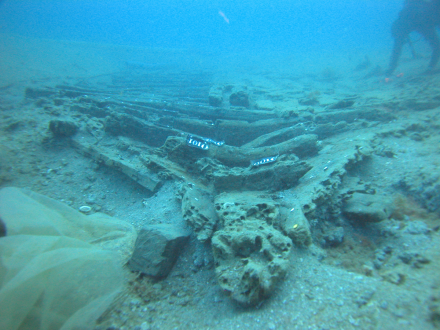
pixel 59 269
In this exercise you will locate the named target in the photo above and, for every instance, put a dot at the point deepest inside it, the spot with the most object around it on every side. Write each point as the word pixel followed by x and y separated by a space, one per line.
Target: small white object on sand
pixel 85 209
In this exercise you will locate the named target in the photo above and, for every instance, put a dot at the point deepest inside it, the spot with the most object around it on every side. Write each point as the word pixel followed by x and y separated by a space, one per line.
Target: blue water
pixel 254 25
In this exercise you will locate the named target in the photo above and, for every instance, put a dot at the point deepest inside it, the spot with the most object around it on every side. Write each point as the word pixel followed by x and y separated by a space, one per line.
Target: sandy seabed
pixel 363 283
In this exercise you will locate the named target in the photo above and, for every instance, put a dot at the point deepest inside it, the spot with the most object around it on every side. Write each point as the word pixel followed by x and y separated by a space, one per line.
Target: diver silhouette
pixel 419 16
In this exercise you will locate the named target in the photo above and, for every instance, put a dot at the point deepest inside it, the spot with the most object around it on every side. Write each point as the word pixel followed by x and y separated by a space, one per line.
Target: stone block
pixel 368 208
pixel 157 249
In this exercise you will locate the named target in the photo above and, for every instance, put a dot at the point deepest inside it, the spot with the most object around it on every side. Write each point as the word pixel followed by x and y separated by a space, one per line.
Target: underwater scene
pixel 247 164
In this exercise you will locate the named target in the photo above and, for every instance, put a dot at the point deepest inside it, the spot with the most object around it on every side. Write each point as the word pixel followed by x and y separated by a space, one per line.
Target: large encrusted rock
pixel 157 248
pixel 198 211
pixel 250 255
pixel 238 207
pixel 250 259
pixel 368 208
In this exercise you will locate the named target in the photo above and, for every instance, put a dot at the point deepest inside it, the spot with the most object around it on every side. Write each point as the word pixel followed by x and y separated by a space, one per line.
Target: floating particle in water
pixel 222 14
